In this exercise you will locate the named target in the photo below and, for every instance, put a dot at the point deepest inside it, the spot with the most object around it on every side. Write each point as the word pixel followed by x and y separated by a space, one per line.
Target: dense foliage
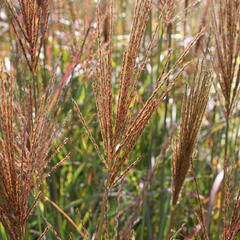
pixel 119 119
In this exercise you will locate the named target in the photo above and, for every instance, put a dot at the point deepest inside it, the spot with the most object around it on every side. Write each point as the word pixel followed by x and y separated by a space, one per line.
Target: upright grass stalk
pixel 28 119
pixel 193 109
pixel 226 20
pixel 29 20
pixel 26 139
pixel 122 125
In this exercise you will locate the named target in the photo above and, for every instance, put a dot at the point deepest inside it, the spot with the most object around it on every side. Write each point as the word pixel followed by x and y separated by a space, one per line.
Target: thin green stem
pixel 225 177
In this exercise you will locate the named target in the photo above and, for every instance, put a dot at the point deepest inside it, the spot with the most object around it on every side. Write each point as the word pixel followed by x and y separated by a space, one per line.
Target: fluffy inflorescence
pixel 193 109
pixel 26 138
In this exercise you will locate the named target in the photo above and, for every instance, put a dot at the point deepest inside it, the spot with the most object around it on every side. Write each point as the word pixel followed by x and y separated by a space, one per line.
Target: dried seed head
pixel 167 7
pixel 193 109
pixel 26 138
pixel 30 27
pixel 226 22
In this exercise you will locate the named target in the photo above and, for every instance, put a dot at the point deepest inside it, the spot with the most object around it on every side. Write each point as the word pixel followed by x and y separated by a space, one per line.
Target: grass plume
pixel 26 138
pixel 192 112
pixel 120 133
pixel 29 20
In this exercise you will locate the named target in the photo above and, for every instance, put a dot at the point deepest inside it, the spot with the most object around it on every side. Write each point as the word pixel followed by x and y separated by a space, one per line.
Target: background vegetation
pixel 119 119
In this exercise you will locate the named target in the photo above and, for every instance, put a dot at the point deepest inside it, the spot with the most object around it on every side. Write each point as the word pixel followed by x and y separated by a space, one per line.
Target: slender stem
pixel 185 18
pixel 103 214
pixel 169 33
pixel 225 182
pixel 172 220
pixel 201 211
pixel 164 131
pixel 68 218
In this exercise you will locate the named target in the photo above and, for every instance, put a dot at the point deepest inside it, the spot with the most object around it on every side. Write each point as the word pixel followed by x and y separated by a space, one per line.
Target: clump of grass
pixel 122 124
pixel 28 119
pixel 226 21
pixel 26 138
